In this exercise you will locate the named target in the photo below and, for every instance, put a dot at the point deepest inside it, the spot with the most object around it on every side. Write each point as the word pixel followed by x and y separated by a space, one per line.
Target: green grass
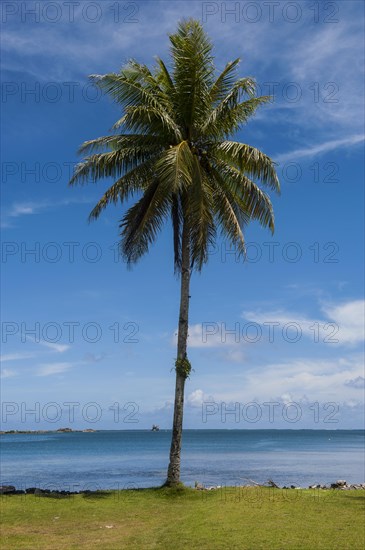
pixel 224 519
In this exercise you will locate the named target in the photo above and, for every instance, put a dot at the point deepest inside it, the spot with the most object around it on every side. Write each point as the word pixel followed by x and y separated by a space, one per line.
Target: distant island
pixel 60 430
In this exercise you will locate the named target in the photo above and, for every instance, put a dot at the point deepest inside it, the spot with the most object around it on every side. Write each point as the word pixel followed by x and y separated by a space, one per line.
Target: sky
pixel 275 340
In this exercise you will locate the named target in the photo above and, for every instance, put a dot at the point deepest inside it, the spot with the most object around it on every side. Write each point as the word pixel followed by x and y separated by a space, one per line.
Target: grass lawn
pixel 227 518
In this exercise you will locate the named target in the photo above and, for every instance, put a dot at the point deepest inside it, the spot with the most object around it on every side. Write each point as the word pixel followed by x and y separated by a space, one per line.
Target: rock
pixel 7 490
pixel 341 483
pixel 30 490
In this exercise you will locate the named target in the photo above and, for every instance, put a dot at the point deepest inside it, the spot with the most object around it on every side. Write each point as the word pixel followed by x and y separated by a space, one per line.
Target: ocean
pixel 139 458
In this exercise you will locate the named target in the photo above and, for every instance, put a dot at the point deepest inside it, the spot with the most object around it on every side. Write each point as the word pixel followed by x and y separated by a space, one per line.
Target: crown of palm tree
pixel 172 147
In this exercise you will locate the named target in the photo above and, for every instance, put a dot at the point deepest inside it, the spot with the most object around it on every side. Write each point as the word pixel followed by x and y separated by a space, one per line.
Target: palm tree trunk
pixel 173 473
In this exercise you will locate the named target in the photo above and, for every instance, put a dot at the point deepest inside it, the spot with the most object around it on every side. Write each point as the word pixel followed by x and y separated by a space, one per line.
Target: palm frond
pixel 193 71
pixel 129 87
pixel 164 79
pixel 135 180
pixel 230 217
pixel 175 167
pixel 224 82
pixel 123 142
pixel 143 221
pixel 249 198
pixel 250 161
pixel 199 216
pixel 111 164
pixel 228 117
pixel 149 120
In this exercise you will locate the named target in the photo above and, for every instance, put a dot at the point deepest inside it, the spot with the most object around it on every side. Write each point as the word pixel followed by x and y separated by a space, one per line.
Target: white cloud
pixel 350 317
pixel 321 380
pixel 64 52
pixel 49 369
pixel 59 348
pixel 344 323
pixel 16 356
pixel 325 147
pixel 28 208
pixel 196 398
pixel 8 373
pixel 331 58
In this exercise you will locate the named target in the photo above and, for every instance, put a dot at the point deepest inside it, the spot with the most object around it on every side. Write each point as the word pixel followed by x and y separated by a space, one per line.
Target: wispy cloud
pixel 16 356
pixel 28 208
pixel 8 373
pixel 58 348
pixel 94 358
pixel 49 369
pixel 321 148
pixel 76 51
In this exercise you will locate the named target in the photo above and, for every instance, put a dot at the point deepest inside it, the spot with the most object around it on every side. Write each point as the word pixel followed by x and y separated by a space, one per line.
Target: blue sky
pixel 78 327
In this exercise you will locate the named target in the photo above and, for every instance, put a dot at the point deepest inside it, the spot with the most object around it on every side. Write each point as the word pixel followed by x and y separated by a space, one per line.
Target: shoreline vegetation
pixel 232 518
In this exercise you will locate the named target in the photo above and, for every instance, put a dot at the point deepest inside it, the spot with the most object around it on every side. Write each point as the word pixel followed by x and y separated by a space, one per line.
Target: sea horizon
pixel 5 432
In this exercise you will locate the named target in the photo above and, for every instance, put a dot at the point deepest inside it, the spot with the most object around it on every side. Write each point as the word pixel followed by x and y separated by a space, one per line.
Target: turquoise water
pixel 119 459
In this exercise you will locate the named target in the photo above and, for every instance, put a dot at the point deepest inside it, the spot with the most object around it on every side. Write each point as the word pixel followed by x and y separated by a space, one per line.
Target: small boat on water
pixel 155 428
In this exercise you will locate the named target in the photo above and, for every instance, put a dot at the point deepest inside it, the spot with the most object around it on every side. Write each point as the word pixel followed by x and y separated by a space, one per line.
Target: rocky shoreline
pixel 11 490
pixel 340 484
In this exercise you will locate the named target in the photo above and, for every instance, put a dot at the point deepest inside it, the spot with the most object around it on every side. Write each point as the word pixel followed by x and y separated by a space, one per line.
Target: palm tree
pixel 171 148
